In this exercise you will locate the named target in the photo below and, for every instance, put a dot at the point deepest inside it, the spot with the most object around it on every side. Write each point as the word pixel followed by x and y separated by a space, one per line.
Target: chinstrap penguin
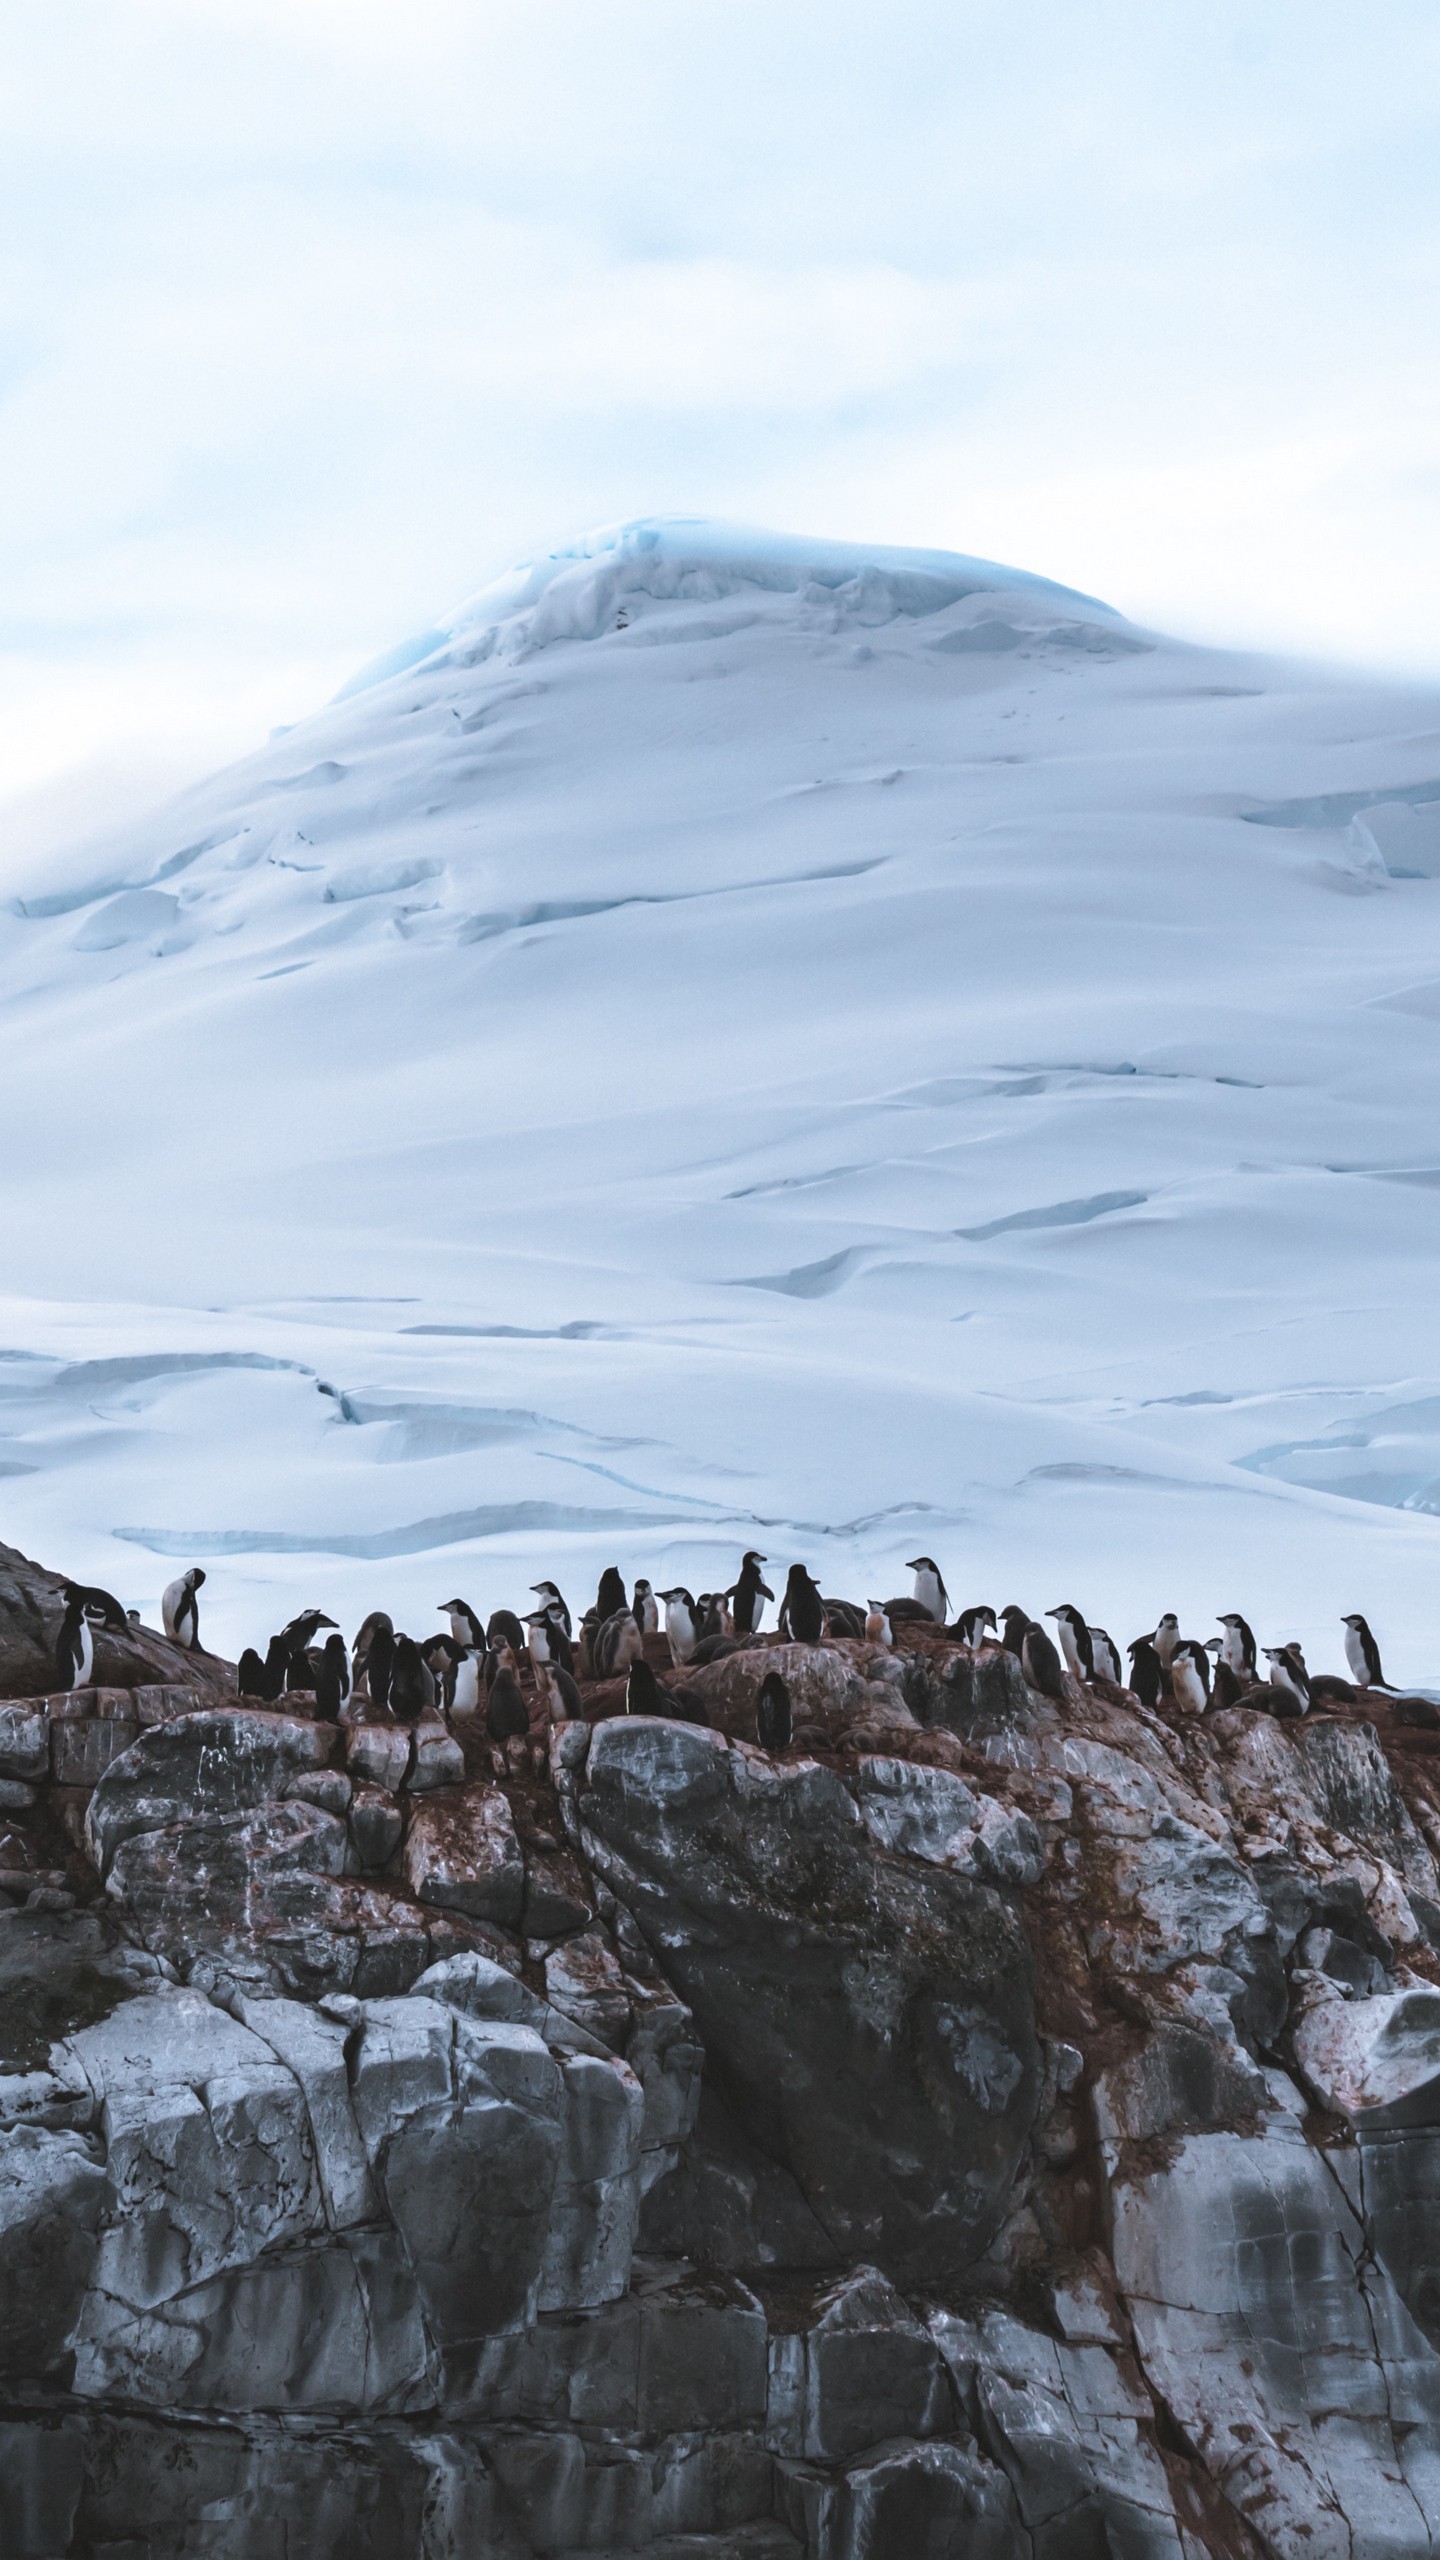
pixel 1363 1655
pixel 180 1610
pixel 748 1594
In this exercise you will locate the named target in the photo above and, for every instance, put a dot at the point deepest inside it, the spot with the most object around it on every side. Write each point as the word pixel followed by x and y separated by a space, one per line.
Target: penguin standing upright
pixel 503 1627
pixel 506 1715
pixel 1190 1676
pixel 1147 1672
pixel 680 1624
pixel 1074 1641
pixel 647 1610
pixel 1041 1663
pixel 332 1679
pixel 643 1693
pixel 180 1610
pixel 465 1683
pixel 412 1682
pixel 774 1716
pixel 877 1624
pixel 373 1655
pixel 1166 1636
pixel 1225 1689
pixel 1237 1645
pixel 611 1594
pixel 1105 1654
pixel 75 1643
pixel 250 1676
pixel 465 1627
pixel 802 1611
pixel 748 1594
pixel 550 1595
pixel 1014 1620
pixel 1363 1655
pixel 297 1637
pixel 930 1592
pixel 616 1643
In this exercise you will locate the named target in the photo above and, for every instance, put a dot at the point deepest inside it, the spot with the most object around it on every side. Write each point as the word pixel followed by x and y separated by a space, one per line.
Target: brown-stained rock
pixel 461 1852
pixel 221 1761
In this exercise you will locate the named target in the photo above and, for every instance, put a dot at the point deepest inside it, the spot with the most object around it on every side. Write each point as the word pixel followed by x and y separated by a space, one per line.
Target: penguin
pixel 802 1611
pixel 560 1687
pixel 1074 1641
pixel 643 1693
pixel 562 1651
pixel 297 1637
pixel 332 1679
pixel 774 1718
pixel 971 1624
pixel 412 1682
pixel 464 1698
pixel 1363 1655
pixel 843 1618
pixel 646 1608
pixel 1166 1637
pixel 1327 1689
pixel 1287 1671
pixel 1190 1676
pixel 1015 1621
pixel 549 1594
pixel 749 1594
pixel 1225 1689
pixel 250 1677
pixel 465 1627
pixel 1105 1654
pixel 375 1649
pixel 101 1607
pixel 1237 1645
pixel 616 1643
pixel 75 1643
pixel 505 1711
pixel 1041 1663
pixel 930 1592
pixel 180 1611
pixel 503 1627
pixel 583 1656
pixel 877 1624
pixel 537 1639
pixel 611 1595
pixel 710 1616
pixel 1147 1672
pixel 714 1649
pixel 680 1624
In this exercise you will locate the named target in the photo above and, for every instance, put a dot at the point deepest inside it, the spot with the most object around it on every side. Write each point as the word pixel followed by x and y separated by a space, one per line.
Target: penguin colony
pixel 494 1667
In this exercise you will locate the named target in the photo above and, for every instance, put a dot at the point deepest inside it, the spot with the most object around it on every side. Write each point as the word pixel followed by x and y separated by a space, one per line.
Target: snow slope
pixel 729 1040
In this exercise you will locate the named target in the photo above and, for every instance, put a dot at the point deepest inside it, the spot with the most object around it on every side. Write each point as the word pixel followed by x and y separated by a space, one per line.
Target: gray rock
pixel 872 2023
pixel 862 2368
pixel 462 1853
pixel 224 1760
pixel 52 2193
pixel 24 1743
pixel 436 1759
pixel 376 1826
pixel 378 1755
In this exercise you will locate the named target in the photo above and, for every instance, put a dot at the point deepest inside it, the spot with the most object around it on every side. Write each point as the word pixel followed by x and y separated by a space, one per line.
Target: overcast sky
pixel 316 312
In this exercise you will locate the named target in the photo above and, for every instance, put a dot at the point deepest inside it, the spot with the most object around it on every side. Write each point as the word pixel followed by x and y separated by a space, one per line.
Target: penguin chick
pixel 379 1662
pixel 748 1594
pixel 1237 1645
pixel 1074 1641
pixel 503 1627
pixel 643 1693
pixel 1225 1689
pixel 843 1618
pixel 1363 1655
pixel 1147 1672
pixel 412 1682
pixel 551 1594
pixel 505 1711
pixel 1105 1654
pixel 180 1611
pixel 611 1594
pixel 1190 1677
pixel 930 1592
pixel 250 1675
pixel 1014 1620
pixel 877 1624
pixel 647 1610
pixel 802 1611
pixel 1041 1663
pixel 774 1717
pixel 616 1643
pixel 332 1679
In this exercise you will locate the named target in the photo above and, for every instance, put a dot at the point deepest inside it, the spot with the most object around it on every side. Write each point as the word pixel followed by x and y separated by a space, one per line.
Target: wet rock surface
pixel 996 2125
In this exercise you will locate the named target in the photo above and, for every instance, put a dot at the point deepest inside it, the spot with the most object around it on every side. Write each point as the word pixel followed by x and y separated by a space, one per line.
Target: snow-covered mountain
pixel 729 1041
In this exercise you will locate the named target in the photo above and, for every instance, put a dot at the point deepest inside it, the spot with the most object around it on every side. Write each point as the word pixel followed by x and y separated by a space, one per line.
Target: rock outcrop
pixel 993 2126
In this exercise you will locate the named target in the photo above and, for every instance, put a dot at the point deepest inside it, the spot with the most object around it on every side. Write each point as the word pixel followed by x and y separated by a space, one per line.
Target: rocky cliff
pixel 993 2127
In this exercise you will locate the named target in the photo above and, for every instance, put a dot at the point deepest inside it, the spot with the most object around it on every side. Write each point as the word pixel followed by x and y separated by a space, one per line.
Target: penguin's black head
pixel 1068 1612
pixel 1357 1622
pixel 752 1557
pixel 195 1576
pixel 922 1564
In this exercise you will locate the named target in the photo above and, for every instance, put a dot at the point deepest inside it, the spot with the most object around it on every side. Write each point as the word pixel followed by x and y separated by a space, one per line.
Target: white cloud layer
pixel 314 312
